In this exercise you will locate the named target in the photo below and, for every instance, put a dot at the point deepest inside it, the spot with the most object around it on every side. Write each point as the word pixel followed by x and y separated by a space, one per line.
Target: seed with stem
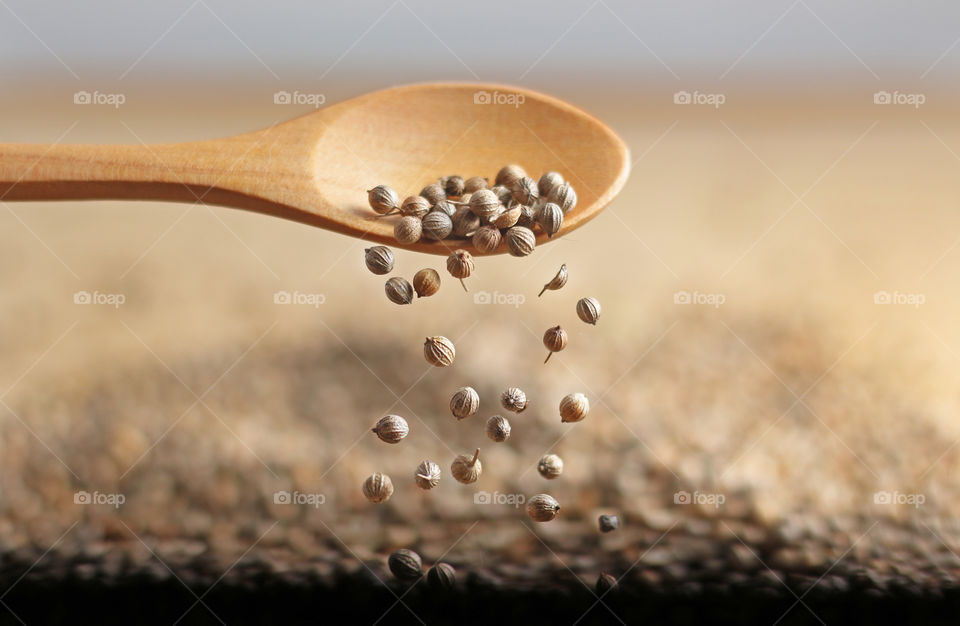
pixel 498 428
pixel 542 508
pixel 557 282
pixel 464 402
pixel 467 469
pixel 426 282
pixel 555 340
pixel 427 475
pixel 377 488
pixel 391 428
pixel 460 265
pixel 439 351
pixel 379 260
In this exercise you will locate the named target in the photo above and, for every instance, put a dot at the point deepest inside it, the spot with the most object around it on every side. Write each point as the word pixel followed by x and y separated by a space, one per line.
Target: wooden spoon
pixel 316 168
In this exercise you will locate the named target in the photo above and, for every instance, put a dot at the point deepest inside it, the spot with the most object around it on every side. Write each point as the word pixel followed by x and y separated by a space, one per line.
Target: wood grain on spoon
pixel 316 168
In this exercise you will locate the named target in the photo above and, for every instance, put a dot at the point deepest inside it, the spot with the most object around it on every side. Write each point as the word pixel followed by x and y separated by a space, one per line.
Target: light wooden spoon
pixel 316 168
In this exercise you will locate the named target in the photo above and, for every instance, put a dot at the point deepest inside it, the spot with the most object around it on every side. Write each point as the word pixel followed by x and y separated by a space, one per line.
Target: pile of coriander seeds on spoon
pixel 509 213
pixel 514 209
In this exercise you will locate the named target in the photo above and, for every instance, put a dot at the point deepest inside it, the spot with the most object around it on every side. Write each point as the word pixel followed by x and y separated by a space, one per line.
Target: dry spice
pixel 527 218
pixel 464 402
pixel 436 225
pixel 550 218
pixel 460 265
pixel 377 488
pixel 379 260
pixel 520 241
pixel 485 203
pixel 405 565
pixel 408 230
pixel 398 290
pixel 606 584
pixel 574 407
pixel 509 217
pixel 514 399
pixel 445 206
pixel 433 193
pixel 550 466
pixel 383 199
pixel 498 428
pixel 555 340
pixel 467 469
pixel 391 428
pixel 588 310
pixel 563 195
pixel 453 186
pixel 509 174
pixel 475 183
pixel 465 222
pixel 557 282
pixel 524 191
pixel 439 351
pixel 547 182
pixel 427 475
pixel 503 193
pixel 542 508
pixel 426 282
pixel 487 239
pixel 608 523
pixel 442 576
pixel 415 206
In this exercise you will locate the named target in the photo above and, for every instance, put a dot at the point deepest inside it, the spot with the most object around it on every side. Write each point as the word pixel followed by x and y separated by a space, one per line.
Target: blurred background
pixel 776 280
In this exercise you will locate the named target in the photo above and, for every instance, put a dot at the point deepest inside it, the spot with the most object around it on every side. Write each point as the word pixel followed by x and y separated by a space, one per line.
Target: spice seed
pixel 415 206
pixel 557 282
pixel 398 290
pixel 383 199
pixel 436 225
pixel 555 340
pixel 574 407
pixel 439 351
pixel 588 310
pixel 514 399
pixel 408 229
pixel 405 564
pixel 542 508
pixel 460 265
pixel 377 488
pixel 608 523
pixel 498 428
pixel 464 402
pixel 509 174
pixel 427 475
pixel 426 282
pixel 550 466
pixel 442 576
pixel 391 429
pixel 520 241
pixel 379 260
pixel 467 469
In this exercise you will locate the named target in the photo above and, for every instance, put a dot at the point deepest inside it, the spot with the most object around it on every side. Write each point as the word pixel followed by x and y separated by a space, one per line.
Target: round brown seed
pixel 379 260
pixel 426 282
pixel 574 407
pixel 555 340
pixel 467 469
pixel 588 310
pixel 460 265
pixel 487 239
pixel 550 466
pixel 433 193
pixel 509 174
pixel 465 222
pixel 475 183
pixel 377 488
pixel 383 199
pixel 442 576
pixel 453 186
pixel 439 351
pixel 520 241
pixel 542 508
pixel 514 399
pixel 498 428
pixel 563 195
pixel 485 204
pixel 524 191
pixel 437 225
pixel 464 402
pixel 405 564
pixel 415 206
pixel 398 290
pixel 547 182
pixel 408 230
pixel 550 218
pixel 391 428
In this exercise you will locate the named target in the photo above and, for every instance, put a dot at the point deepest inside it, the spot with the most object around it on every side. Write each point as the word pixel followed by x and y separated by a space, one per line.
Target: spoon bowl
pixel 316 168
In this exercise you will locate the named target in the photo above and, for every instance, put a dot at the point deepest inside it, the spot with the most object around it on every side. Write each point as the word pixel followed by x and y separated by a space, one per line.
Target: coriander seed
pixel 453 186
pixel 437 225
pixel 426 282
pixel 542 508
pixel 527 218
pixel 464 402
pixel 391 429
pixel 439 351
pixel 405 565
pixel 445 206
pixel 514 399
pixel 377 488
pixel 588 310
pixel 524 191
pixel 460 265
pixel 398 290
pixel 557 282
pixel 503 194
pixel 475 183
pixel 508 218
pixel 555 340
pixel 408 230
pixel 415 206
pixel 563 195
pixel 550 218
pixel 465 222
pixel 379 260
pixel 550 466
pixel 467 469
pixel 606 584
pixel 487 239
pixel 574 407
pixel 427 475
pixel 433 193
pixel 608 523
pixel 383 199
pixel 442 576
pixel 547 182
pixel 485 204
pixel 509 174
pixel 498 428
pixel 520 241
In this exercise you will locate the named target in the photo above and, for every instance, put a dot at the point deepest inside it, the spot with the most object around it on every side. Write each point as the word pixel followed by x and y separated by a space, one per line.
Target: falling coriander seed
pixel 542 508
pixel 464 403
pixel 408 229
pixel 427 475
pixel 608 523
pixel 405 565
pixel 426 282
pixel 460 265
pixel 391 428
pixel 398 290
pixel 467 469
pixel 415 206
pixel 588 310
pixel 377 488
pixel 383 200
pixel 439 351
pixel 498 428
pixel 550 218
pixel 514 399
pixel 379 260
pixel 574 407
pixel 555 340
pixel 606 583
pixel 520 241
pixel 442 576
pixel 550 466
pixel 557 282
